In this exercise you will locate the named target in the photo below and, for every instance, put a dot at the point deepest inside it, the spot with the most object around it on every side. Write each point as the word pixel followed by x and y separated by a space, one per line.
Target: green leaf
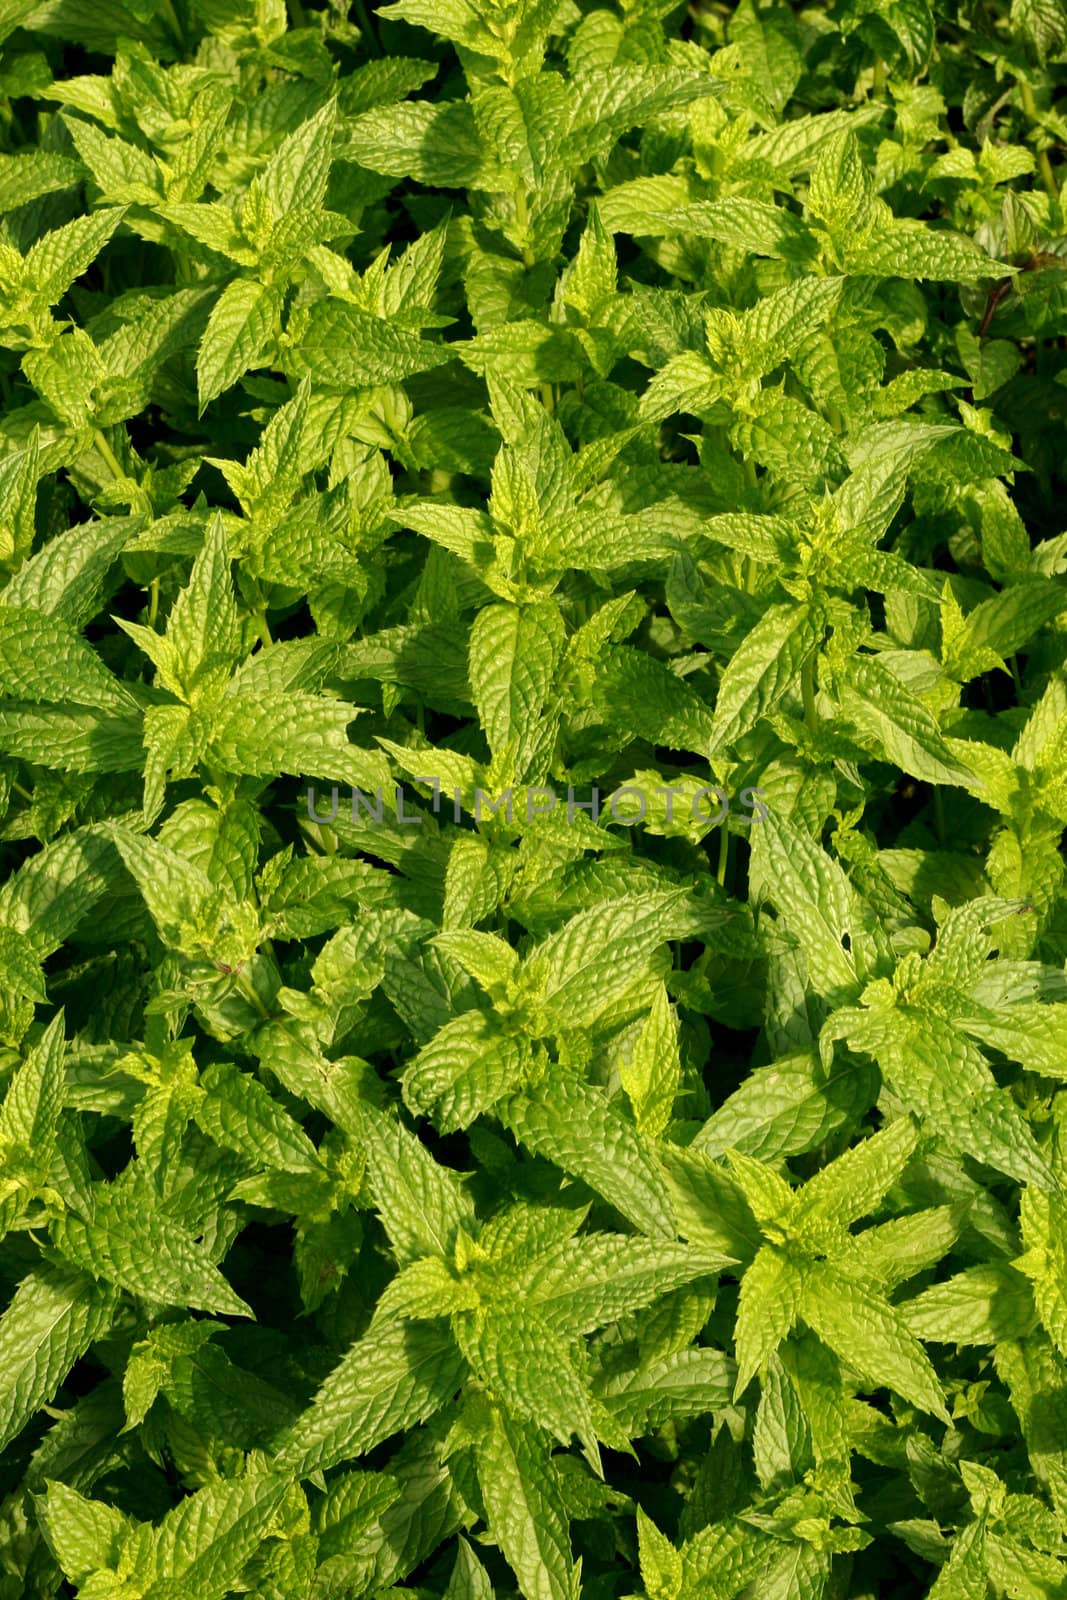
pixel 903 731
pixel 66 577
pixel 397 1375
pixel 344 346
pixel 129 1241
pixel 689 1383
pixel 237 337
pixel 852 1186
pixel 652 1075
pixel 53 1318
pixel 524 1505
pixel 44 659
pixel 577 972
pixel 814 899
pixel 904 248
pixel 297 172
pixel 870 1335
pixel 514 653
pixel 519 1358
pixel 772 1293
pixel 787 1108
pixel 467 1067
pixel 30 1110
pixel 587 1282
pixel 574 1125
pixel 84 1535
pixel 469 1580
pixel 59 257
pixel 240 1114
pixel 422 1204
pixel 48 897
pixel 986 1304
pixel 206 1540
pixel 764 669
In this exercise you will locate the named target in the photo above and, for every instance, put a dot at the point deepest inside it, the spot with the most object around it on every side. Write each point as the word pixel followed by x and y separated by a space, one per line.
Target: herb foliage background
pixel 532 395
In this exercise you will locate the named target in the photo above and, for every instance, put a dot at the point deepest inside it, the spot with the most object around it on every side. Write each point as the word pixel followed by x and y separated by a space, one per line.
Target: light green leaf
pixel 237 336
pixel 813 898
pixel 346 347
pixel 771 1298
pixel 525 1508
pixel 49 1324
pixel 870 1335
pixel 652 1074
pixel 764 669
pixel 577 1127
pixel 130 1241
pixel 902 729
pixel 396 1376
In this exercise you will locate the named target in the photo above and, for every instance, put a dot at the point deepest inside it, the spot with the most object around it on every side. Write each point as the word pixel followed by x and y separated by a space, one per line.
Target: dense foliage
pixel 424 1169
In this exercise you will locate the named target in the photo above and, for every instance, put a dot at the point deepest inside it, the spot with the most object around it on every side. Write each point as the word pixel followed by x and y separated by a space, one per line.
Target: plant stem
pixel 724 854
pixel 522 217
pixel 366 27
pixel 264 630
pixel 245 985
pixel 807 689
pixel 171 16
pixel 878 86
pixel 1044 165
pixel 153 601
pixel 1048 177
pixel 100 438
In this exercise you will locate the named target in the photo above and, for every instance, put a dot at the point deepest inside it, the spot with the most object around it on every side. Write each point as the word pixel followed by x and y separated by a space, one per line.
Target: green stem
pixel 1048 177
pixel 153 601
pixel 245 985
pixel 108 454
pixel 878 86
pixel 724 854
pixel 366 27
pixel 264 631
pixel 1044 165
pixel 175 26
pixel 807 689
pixel 522 217
pixel 19 790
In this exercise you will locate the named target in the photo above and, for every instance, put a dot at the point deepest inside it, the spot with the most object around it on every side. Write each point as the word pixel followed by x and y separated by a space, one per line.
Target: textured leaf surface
pixel 54 1316
pixel 394 1377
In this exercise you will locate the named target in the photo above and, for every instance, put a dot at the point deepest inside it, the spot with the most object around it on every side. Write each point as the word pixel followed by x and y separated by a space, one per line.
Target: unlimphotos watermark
pixel 627 805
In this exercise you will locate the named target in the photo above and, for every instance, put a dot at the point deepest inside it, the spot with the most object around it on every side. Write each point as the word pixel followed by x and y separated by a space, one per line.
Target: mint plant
pixel 533 712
